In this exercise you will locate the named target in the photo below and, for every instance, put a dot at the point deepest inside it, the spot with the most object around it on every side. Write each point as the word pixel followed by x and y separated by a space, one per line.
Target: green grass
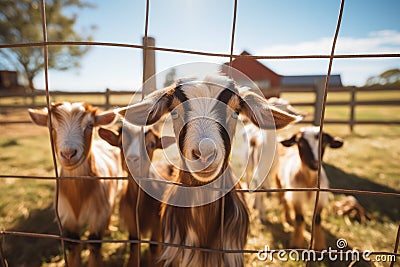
pixel 367 161
pixel 25 150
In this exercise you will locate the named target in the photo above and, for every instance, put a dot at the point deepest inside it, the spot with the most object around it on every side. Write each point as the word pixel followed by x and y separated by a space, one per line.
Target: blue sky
pixel 264 27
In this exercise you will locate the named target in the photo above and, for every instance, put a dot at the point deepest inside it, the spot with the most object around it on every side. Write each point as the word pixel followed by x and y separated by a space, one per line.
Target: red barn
pixel 266 79
pixel 269 82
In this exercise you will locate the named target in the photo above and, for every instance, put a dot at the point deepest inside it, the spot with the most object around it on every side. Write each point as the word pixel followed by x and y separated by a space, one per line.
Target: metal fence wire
pixel 45 44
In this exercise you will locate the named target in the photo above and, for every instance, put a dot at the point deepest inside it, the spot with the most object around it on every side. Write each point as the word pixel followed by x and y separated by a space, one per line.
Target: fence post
pixel 107 106
pixel 319 97
pixel 149 66
pixel 33 99
pixel 352 108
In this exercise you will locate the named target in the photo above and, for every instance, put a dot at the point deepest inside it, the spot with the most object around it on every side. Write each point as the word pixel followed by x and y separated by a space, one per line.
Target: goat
pixel 261 168
pixel 148 214
pixel 204 117
pixel 299 169
pixel 89 201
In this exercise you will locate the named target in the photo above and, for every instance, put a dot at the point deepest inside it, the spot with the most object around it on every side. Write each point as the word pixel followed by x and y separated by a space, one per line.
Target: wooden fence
pixel 30 100
pixel 352 103
pixel 10 102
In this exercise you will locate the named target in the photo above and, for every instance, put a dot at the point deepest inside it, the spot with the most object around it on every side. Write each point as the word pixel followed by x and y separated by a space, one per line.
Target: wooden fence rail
pixel 10 102
pixel 352 103
pixel 30 100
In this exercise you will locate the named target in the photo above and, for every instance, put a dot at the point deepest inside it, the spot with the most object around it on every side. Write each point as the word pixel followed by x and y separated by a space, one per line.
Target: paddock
pixel 366 167
pixel 28 215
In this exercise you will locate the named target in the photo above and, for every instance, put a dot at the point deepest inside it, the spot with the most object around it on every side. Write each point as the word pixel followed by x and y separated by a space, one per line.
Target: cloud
pixel 385 41
pixel 354 71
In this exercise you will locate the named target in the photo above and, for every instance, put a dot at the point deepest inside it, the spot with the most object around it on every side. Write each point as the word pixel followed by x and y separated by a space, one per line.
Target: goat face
pixel 72 127
pixel 130 142
pixel 128 139
pixel 307 140
pixel 204 126
pixel 204 115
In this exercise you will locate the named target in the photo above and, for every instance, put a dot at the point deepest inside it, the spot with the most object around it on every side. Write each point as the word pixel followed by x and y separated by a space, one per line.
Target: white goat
pixel 89 201
pixel 299 169
pixel 204 117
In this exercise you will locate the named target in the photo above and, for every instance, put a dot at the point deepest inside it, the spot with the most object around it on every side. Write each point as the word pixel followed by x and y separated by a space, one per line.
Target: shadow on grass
pixel 342 260
pixel 32 251
pixel 117 258
pixel 281 239
pixel 388 206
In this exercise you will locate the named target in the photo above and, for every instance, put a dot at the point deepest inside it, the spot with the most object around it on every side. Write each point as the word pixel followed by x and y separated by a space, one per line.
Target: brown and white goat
pixel 204 116
pixel 133 197
pixel 88 201
pixel 299 169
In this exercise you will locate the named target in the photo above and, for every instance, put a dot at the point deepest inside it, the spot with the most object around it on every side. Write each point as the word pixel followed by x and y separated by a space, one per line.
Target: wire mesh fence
pixel 45 44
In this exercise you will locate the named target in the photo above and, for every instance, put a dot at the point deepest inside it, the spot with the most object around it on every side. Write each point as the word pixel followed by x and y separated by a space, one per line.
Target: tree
pixel 391 76
pixel 21 23
pixel 170 77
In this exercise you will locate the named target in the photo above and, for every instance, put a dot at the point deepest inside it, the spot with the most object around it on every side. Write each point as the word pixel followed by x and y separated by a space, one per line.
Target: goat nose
pixel 205 151
pixel 68 154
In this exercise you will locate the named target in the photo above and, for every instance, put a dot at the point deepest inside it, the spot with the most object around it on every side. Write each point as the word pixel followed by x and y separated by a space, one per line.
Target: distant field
pixel 383 113
pixel 369 160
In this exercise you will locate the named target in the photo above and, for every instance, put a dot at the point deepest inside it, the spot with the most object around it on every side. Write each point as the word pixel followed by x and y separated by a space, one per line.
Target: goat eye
pixel 235 115
pixel 151 145
pixel 174 114
pixel 90 125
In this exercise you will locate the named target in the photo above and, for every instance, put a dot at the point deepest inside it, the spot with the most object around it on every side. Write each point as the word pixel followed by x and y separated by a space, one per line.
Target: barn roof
pixel 257 71
pixel 254 69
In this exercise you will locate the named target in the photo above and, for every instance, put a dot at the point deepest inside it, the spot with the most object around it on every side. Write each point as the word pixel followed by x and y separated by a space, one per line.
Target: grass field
pixel 369 160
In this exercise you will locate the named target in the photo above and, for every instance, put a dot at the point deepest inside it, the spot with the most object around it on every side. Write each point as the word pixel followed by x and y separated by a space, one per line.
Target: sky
pixel 263 27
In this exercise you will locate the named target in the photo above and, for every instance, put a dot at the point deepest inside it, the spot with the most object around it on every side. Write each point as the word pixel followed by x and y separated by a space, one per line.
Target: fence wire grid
pixel 60 237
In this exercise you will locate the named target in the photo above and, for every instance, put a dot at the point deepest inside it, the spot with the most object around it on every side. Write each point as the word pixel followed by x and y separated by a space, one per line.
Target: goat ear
pixel 149 110
pixel 110 136
pixel 336 142
pixel 39 116
pixel 259 112
pixel 333 142
pixel 104 118
pixel 166 141
pixel 290 142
